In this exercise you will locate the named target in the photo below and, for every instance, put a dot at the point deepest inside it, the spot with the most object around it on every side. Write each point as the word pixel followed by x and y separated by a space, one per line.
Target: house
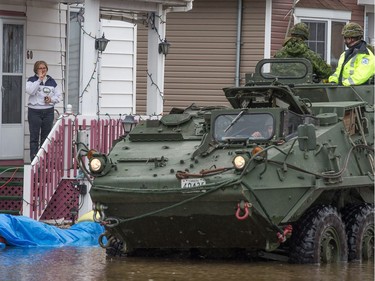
pixel 96 84
pixel 214 46
pixel 211 47
pixel 63 33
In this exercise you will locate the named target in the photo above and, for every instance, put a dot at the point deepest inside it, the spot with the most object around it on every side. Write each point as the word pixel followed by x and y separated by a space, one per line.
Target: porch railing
pixel 56 160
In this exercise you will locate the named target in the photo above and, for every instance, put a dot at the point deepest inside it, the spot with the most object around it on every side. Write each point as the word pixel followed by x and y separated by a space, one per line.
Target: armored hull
pixel 287 164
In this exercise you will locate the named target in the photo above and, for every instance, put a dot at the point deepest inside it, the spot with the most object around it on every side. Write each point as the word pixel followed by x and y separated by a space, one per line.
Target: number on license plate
pixel 189 183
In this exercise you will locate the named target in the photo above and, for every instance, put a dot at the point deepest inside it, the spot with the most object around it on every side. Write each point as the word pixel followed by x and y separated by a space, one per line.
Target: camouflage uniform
pixel 296 47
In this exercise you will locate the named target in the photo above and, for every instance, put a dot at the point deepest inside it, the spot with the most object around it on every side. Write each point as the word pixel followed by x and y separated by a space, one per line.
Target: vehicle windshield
pixel 241 127
pixel 285 69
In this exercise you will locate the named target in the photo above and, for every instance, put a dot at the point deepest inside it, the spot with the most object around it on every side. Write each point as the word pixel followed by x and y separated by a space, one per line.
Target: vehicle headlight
pixel 96 165
pixel 239 162
pixel 99 164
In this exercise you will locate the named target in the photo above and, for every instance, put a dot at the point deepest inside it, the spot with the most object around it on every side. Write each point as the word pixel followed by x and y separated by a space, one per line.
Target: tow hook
pixel 243 207
pixel 99 214
pixel 107 240
pixel 286 233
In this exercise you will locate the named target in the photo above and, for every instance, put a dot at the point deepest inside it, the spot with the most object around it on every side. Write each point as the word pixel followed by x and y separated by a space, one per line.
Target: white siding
pixel 118 69
pixel 14 7
pixel 45 37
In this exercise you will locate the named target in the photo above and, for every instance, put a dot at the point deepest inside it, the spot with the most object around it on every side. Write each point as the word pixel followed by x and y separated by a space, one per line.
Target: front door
pixel 12 83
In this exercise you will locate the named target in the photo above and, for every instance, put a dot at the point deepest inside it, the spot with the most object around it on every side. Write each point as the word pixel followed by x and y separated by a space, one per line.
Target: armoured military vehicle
pixel 285 171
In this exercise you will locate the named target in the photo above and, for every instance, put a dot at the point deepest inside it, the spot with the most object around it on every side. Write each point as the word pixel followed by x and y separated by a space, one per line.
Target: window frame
pixel 238 122
pixel 12 115
pixel 326 16
pixel 77 106
pixel 316 41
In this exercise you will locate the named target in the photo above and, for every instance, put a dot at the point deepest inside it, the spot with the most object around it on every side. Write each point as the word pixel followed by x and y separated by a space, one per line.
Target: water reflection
pixel 91 263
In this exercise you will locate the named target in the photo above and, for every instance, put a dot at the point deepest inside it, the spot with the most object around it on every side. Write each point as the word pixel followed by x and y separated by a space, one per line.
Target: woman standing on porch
pixel 43 93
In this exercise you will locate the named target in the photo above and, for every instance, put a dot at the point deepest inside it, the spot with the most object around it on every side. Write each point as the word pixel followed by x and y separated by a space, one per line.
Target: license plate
pixel 189 183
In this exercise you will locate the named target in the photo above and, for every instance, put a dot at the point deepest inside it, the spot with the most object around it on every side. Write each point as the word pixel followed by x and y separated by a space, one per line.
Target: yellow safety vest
pixel 358 70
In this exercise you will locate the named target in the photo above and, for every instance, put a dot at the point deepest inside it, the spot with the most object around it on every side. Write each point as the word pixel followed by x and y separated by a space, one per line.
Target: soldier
pixel 296 47
pixel 356 64
pixel 266 132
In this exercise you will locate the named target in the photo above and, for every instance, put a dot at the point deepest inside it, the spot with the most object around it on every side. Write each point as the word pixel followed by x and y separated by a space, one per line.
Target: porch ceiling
pixel 136 10
pixel 130 5
pixel 128 10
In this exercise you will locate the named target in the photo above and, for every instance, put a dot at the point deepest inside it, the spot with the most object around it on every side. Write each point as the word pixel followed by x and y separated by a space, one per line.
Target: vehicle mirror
pixel 306 137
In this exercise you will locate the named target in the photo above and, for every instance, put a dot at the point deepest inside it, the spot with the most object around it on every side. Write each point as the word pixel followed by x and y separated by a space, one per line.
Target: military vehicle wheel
pixel 115 248
pixel 359 221
pixel 318 237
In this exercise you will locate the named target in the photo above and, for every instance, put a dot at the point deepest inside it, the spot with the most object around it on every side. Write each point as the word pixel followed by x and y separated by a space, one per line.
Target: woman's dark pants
pixel 40 124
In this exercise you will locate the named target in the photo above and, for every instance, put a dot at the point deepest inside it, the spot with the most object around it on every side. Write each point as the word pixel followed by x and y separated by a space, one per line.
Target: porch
pixel 53 186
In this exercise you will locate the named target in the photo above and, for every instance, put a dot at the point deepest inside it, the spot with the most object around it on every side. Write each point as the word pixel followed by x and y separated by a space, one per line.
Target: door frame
pixel 21 126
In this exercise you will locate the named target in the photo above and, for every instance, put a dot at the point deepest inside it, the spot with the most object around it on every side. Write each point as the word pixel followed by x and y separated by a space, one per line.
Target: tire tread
pixel 303 244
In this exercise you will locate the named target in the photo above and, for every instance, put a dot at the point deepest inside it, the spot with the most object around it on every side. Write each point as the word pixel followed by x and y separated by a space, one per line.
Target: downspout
pixel 67 57
pixel 238 43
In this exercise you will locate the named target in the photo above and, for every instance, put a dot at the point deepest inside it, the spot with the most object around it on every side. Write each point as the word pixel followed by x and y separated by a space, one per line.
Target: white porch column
pixel 89 91
pixel 155 63
pixel 91 26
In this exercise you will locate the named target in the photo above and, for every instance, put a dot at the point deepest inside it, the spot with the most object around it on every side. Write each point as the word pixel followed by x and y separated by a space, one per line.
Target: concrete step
pixel 11 183
pixel 10 198
pixel 10 212
pixel 8 172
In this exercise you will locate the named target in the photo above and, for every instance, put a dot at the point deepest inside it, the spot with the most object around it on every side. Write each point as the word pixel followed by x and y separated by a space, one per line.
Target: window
pixel 318 40
pixel 243 127
pixel 337 42
pixel 325 31
pixel 12 79
pixel 293 120
pixel 74 62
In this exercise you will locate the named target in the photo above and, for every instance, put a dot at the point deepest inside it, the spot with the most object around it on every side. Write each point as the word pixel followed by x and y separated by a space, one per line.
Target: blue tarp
pixel 25 232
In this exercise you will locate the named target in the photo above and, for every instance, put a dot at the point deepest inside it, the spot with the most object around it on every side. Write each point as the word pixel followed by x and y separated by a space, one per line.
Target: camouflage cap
pixel 352 29
pixel 300 29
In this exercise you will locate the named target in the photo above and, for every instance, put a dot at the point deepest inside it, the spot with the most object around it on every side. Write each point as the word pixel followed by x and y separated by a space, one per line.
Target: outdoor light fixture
pixel 164 47
pixel 101 43
pixel 128 123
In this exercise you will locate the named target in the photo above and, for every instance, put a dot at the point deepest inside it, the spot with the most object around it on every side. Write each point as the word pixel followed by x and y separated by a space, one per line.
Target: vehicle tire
pixel 318 237
pixel 359 223
pixel 115 248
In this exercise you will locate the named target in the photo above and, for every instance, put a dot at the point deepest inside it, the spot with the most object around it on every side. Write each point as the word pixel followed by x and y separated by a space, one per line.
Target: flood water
pixel 91 263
